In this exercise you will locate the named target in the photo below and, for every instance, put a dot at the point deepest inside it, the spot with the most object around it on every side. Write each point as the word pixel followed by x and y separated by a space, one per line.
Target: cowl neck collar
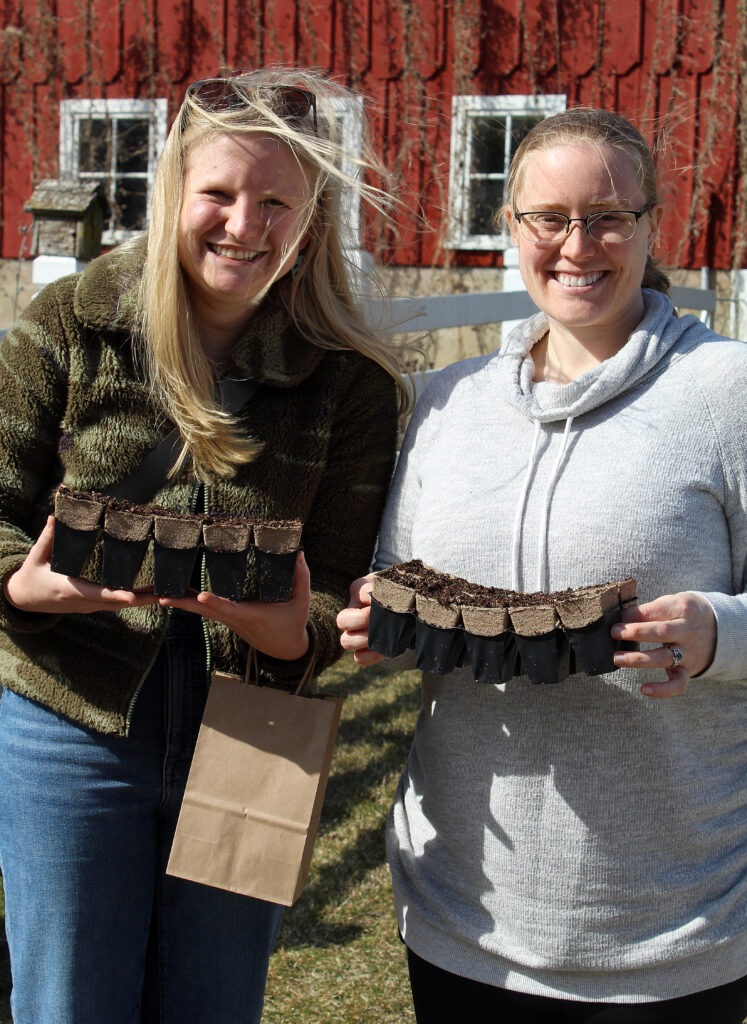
pixel 649 345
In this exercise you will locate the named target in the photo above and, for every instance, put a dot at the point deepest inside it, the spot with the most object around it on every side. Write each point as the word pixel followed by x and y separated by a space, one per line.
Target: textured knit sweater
pixel 74 410
pixel 579 840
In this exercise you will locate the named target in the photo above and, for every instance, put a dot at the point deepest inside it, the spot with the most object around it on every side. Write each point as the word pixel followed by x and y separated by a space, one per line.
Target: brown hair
pixel 603 128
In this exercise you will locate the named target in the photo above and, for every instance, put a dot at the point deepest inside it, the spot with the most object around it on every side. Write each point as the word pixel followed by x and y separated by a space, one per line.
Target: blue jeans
pixel 98 934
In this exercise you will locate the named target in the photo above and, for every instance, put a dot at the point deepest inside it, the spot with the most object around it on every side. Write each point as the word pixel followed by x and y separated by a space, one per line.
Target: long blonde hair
pixel 318 295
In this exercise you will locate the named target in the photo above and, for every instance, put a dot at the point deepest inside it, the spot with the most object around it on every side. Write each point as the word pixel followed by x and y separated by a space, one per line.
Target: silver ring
pixel 676 656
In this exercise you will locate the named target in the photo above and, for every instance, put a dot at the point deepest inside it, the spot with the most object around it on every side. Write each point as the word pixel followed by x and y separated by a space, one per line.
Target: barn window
pixel 118 142
pixel 485 133
pixel 115 142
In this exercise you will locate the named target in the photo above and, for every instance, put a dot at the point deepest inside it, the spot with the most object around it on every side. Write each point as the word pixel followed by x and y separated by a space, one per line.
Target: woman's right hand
pixel 354 620
pixel 35 588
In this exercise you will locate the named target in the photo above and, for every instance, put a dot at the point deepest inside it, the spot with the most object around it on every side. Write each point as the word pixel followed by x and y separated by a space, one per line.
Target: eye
pixel 610 219
pixel 548 220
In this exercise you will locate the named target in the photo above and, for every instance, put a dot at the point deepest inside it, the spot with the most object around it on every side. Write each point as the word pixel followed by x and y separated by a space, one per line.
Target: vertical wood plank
pixel 11 18
pixel 353 53
pixel 316 25
pixel 281 32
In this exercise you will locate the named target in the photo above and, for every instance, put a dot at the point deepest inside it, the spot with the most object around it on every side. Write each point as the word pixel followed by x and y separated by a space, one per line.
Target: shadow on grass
pixel 305 925
pixel 372 746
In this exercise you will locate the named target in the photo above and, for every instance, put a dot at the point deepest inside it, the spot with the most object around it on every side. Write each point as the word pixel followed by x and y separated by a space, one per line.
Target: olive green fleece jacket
pixel 74 410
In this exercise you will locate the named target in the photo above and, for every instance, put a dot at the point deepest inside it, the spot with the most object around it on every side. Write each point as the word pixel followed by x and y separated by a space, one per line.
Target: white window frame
pixel 464 110
pixel 73 112
pixel 349 114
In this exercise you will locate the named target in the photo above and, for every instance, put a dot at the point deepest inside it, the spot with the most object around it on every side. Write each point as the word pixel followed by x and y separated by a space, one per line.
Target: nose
pixel 578 239
pixel 247 221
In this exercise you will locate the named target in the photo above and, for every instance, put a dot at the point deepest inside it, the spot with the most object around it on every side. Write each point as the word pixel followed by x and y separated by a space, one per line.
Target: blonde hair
pixel 602 128
pixel 318 295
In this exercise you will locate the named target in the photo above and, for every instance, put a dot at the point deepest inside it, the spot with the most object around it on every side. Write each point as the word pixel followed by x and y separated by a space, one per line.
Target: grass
pixel 339 959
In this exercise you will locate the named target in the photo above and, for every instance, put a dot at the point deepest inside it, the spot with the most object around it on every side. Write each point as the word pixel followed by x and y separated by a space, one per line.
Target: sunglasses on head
pixel 216 94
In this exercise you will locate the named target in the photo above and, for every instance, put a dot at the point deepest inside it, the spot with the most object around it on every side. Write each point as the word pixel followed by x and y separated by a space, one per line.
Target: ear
pixel 513 226
pixel 654 217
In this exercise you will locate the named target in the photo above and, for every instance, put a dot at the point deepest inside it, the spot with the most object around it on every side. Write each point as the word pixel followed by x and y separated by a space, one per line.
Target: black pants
pixel 444 998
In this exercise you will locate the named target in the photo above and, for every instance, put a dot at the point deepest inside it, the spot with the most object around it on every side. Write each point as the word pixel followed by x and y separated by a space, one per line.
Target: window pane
pixel 485 198
pixel 520 126
pixel 132 145
pixel 94 145
pixel 130 204
pixel 488 145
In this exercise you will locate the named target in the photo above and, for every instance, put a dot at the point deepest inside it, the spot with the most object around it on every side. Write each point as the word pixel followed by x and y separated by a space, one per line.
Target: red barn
pixel 88 90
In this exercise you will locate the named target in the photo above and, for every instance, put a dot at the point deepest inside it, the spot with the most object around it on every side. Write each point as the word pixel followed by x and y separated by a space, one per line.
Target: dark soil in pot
pixel 439 638
pixel 543 647
pixel 587 616
pixel 276 545
pixel 491 650
pixel 176 539
pixel 127 532
pixel 226 544
pixel 77 522
pixel 391 629
pixel 390 633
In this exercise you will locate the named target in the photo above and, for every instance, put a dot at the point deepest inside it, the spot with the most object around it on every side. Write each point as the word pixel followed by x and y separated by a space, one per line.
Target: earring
pixel 296 268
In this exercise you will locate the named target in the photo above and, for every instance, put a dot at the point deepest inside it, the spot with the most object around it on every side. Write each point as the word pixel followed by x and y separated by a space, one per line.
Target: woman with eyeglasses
pixel 577 852
pixel 242 277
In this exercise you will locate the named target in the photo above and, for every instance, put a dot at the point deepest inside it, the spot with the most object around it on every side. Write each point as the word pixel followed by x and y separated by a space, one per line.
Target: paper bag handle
pixel 252 673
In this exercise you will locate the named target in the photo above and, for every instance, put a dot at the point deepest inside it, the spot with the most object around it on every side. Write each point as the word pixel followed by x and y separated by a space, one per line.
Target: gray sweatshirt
pixel 580 840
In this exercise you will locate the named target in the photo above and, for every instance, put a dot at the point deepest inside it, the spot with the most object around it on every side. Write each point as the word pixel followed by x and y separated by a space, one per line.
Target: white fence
pixel 440 312
pixel 437 312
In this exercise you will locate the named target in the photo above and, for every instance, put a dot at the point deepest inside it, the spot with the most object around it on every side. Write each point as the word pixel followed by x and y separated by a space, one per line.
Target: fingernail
pixel 647 690
pixel 616 631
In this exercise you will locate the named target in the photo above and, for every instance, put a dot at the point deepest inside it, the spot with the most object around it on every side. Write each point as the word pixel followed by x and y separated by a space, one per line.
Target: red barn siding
pixel 679 63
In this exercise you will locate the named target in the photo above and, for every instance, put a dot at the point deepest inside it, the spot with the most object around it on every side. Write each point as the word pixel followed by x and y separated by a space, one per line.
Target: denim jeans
pixel 98 934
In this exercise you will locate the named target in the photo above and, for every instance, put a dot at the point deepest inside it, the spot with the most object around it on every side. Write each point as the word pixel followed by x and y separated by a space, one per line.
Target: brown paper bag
pixel 255 789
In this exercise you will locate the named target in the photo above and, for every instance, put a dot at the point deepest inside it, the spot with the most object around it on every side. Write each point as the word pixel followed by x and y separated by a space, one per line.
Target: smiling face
pixel 241 224
pixel 587 289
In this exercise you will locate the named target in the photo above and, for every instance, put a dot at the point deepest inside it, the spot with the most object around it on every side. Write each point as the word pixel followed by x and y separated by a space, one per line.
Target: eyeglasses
pixel 608 226
pixel 289 102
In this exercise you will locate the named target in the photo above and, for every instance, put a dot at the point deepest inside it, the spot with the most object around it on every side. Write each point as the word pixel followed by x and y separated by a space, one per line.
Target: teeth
pixel 235 254
pixel 571 281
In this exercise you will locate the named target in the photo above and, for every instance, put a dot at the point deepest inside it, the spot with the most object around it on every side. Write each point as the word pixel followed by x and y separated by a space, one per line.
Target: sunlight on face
pixel 589 288
pixel 241 224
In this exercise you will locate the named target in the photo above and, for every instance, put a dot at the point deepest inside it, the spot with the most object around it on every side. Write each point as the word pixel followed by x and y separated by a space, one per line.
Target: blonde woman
pixel 242 276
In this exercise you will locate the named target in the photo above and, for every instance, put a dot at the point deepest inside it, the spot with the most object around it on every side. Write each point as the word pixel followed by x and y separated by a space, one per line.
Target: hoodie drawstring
pixel 542 572
pixel 519 517
pixel 521 507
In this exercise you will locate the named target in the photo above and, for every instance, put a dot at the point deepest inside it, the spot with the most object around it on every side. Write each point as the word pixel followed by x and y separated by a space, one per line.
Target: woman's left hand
pixel 685 627
pixel 278 630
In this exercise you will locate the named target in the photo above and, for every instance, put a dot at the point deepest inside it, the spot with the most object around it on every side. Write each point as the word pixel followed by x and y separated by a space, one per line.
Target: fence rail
pixel 438 312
